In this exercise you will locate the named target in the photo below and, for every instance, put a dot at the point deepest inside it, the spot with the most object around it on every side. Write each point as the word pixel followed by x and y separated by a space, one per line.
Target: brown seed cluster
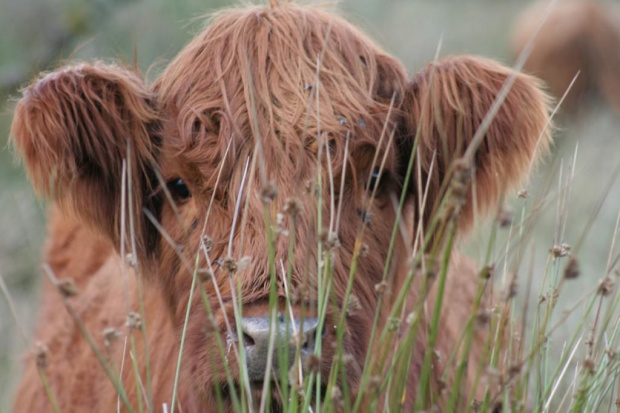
pixel 41 355
pixel 205 274
pixel 364 250
pixel 280 229
pixel 393 323
pixel 354 305
pixel 488 271
pixel 301 294
pixel 589 365
pixel 230 265
pixel 292 206
pixel 606 286
pixel 207 242
pixel 460 186
pixel 67 287
pixel 512 289
pixel 312 363
pixel 134 321
pixel 505 217
pixel 268 192
pixel 110 335
pixel 514 370
pixel 572 269
pixel 380 288
pixel 336 396
pixel 330 241
pixel 559 251
pixel 131 260
pixel 482 318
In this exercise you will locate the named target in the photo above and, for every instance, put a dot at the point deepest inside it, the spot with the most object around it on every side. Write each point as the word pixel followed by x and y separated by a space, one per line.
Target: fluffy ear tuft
pixel 74 127
pixel 446 103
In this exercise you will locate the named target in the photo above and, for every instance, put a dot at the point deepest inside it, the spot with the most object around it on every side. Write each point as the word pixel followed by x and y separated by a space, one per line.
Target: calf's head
pixel 270 117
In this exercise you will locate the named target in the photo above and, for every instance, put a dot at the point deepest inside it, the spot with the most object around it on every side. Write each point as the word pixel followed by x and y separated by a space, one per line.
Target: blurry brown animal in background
pixel 578 36
pixel 277 90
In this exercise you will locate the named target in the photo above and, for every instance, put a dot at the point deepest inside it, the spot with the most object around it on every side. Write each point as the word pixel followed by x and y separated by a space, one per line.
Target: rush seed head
pixel 292 206
pixel 336 396
pixel 364 250
pixel 205 274
pixel 572 269
pixel 512 289
pixel 131 260
pixel 134 321
pixel 482 318
pixel 41 355
pixel 354 305
pixel 312 363
pixel 559 251
pixel 331 241
pixel 268 192
pixel 589 365
pixel 230 265
pixel 381 287
pixel 207 242
pixel 487 272
pixel 393 324
pixel 606 286
pixel 505 217
pixel 280 229
pixel 67 287
pixel 110 334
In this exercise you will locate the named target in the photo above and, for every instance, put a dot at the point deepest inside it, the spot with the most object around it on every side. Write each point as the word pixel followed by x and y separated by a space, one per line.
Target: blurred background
pixel 38 35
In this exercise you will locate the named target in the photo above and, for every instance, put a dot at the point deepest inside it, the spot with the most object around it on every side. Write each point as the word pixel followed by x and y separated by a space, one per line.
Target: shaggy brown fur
pixel 277 85
pixel 579 36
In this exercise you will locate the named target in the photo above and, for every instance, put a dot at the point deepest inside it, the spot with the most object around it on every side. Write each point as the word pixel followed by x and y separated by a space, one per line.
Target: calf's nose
pixel 257 334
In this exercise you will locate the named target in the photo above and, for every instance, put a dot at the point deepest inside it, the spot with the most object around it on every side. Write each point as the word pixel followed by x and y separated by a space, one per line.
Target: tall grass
pixel 514 375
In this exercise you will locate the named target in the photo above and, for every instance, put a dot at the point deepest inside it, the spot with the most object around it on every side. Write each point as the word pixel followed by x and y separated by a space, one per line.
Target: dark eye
pixel 179 189
pixel 375 180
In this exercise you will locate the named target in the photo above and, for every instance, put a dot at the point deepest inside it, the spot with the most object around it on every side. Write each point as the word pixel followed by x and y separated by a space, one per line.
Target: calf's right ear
pixel 74 128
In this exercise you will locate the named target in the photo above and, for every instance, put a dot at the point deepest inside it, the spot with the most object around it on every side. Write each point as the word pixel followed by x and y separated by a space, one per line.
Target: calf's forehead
pixel 286 74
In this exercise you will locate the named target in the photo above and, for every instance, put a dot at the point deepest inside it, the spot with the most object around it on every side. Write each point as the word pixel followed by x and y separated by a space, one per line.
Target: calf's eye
pixel 375 179
pixel 178 188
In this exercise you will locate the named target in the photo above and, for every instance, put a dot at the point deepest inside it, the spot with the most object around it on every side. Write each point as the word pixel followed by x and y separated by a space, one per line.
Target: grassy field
pixel 411 30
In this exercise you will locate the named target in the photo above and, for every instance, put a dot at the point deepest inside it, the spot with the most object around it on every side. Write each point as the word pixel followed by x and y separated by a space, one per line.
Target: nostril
pixel 248 341
pixel 310 337
pixel 307 343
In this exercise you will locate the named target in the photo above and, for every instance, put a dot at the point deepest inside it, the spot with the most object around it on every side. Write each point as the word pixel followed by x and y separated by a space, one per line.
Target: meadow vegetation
pixel 551 254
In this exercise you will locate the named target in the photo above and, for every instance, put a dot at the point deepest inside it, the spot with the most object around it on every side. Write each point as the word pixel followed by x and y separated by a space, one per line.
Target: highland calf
pixel 577 47
pixel 261 174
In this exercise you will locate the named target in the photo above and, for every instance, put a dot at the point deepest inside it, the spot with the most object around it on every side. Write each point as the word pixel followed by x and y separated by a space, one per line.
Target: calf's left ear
pixel 445 105
pixel 74 128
